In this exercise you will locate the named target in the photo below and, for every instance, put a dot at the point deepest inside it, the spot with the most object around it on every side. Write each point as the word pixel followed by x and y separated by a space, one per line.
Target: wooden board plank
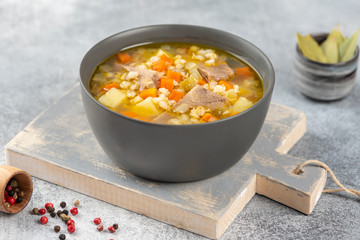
pixel 58 146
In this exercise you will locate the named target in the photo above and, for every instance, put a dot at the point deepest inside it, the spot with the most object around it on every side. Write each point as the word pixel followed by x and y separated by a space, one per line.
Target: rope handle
pixel 298 170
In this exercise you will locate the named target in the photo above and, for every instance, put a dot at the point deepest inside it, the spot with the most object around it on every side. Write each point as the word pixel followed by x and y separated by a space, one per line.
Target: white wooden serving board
pixel 59 147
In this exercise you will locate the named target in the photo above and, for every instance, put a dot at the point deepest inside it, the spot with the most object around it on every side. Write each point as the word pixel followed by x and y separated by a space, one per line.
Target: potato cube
pixel 241 105
pixel 147 106
pixel 112 98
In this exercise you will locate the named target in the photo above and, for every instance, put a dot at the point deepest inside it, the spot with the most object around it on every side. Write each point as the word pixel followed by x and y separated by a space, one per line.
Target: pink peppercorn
pixel 100 228
pixel 74 211
pixel 47 205
pixel 70 222
pixel 71 229
pixel 44 220
pixel 97 221
pixel 11 200
pixel 9 188
pixel 111 229
pixel 42 211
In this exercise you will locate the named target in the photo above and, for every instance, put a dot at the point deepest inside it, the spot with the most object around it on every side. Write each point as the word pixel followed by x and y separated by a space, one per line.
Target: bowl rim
pixel 266 94
pixel 339 64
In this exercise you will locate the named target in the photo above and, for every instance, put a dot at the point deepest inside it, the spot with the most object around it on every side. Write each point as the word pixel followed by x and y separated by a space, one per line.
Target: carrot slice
pixel 228 85
pixel 174 75
pixel 135 116
pixel 167 83
pixel 151 92
pixel 166 59
pixel 244 71
pixel 202 81
pixel 124 57
pixel 209 117
pixel 176 95
pixel 109 86
pixel 160 66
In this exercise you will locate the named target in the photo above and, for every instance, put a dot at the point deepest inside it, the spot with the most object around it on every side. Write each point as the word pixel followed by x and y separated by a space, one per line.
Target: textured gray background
pixel 42 44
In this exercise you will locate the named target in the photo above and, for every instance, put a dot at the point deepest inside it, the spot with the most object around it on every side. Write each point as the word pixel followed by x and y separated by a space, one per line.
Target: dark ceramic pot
pixel 174 153
pixel 324 81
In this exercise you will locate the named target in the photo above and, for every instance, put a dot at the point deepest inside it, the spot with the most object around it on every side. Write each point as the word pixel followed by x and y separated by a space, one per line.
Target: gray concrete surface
pixel 42 44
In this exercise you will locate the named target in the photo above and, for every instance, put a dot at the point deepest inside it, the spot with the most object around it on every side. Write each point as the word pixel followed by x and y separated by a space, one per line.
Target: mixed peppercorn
pixel 13 193
pixel 64 215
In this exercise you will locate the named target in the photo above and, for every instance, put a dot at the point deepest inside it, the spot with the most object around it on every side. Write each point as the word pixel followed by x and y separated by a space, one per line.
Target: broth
pixel 176 83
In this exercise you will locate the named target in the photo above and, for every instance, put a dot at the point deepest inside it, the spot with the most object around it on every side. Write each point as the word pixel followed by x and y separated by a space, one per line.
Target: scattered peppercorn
pixel 76 203
pixel 57 228
pixel 64 217
pixel 70 222
pixel 116 226
pixel 50 209
pixel 63 204
pixel 52 214
pixel 44 220
pixel 59 212
pixel 62 236
pixel 42 211
pixel 65 212
pixel 111 229
pixel 71 229
pixel 35 211
pixel 74 211
pixel 47 205
pixel 97 221
pixel 100 228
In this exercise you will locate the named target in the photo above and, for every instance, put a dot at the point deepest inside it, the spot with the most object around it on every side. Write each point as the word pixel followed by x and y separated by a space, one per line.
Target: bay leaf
pixel 314 48
pixel 347 48
pixel 304 48
pixel 331 48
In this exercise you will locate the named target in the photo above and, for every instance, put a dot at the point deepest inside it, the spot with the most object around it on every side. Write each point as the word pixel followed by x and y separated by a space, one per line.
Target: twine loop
pixel 298 171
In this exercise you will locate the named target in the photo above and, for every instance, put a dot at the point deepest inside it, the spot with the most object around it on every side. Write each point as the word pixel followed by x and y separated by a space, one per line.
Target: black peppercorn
pixel 52 214
pixel 50 209
pixel 62 236
pixel 63 204
pixel 19 200
pixel 66 212
pixel 57 228
pixel 116 226
pixel 59 212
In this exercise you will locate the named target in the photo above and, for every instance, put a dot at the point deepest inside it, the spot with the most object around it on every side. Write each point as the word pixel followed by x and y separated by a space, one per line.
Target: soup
pixel 176 83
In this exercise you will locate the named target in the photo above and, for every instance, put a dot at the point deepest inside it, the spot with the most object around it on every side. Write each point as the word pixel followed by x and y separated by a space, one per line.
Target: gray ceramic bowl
pixel 173 153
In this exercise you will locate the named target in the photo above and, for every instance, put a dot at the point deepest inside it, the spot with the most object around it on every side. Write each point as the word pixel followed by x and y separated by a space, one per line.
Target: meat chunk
pixel 163 118
pixel 216 73
pixel 199 96
pixel 147 78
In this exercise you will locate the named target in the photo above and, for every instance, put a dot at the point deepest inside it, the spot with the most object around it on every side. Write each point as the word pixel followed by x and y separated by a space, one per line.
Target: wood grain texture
pixel 25 184
pixel 58 146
